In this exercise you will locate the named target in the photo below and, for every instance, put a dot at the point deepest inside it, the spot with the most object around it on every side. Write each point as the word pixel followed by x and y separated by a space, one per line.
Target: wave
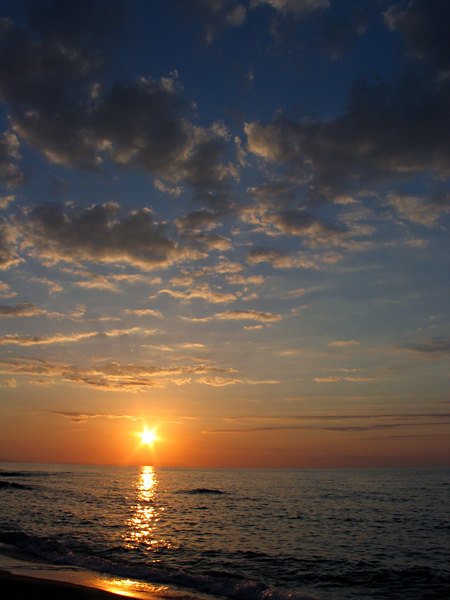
pixel 14 474
pixel 216 583
pixel 12 484
pixel 211 491
pixel 46 474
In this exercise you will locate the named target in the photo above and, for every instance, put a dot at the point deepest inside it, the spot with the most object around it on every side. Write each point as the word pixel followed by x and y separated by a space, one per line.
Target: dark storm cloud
pixel 425 26
pixel 103 233
pixel 49 82
pixel 215 15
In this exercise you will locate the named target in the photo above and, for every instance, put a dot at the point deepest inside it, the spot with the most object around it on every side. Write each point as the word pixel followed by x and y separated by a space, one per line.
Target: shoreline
pixel 22 579
pixel 24 587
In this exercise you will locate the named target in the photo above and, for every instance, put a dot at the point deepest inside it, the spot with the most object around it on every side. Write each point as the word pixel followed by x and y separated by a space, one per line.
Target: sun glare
pixel 148 437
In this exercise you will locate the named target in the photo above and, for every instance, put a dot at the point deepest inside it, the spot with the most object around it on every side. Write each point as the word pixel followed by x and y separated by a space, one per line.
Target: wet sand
pixel 21 587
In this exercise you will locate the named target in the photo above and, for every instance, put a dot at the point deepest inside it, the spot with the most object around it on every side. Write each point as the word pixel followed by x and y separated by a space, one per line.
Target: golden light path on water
pixel 141 527
pixel 132 588
pixel 142 524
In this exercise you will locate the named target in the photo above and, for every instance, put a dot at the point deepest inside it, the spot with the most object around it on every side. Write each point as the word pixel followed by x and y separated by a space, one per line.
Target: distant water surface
pixel 239 534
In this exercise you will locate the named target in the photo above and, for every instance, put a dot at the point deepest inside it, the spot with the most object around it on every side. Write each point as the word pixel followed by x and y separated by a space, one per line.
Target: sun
pixel 148 437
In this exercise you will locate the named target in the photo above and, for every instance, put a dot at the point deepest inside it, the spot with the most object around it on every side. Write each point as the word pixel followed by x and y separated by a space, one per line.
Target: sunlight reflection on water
pixel 146 513
pixel 131 588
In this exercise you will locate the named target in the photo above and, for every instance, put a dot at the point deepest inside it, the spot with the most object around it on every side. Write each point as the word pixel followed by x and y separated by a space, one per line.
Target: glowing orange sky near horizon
pixel 119 443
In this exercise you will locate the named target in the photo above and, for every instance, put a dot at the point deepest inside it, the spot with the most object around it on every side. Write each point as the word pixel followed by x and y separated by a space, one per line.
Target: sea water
pixel 238 533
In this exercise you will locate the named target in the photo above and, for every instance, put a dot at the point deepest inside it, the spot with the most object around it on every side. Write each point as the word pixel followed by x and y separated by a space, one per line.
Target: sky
pixel 227 222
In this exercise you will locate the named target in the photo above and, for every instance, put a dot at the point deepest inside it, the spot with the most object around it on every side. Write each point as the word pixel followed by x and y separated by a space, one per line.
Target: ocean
pixel 258 534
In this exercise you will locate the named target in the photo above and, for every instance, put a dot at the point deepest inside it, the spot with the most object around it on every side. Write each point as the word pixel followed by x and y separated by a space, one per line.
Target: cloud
pixel 283 260
pixel 5 200
pixel 252 315
pixel 211 241
pixel 79 417
pixel 288 14
pixel 302 223
pixel 354 428
pixel 49 73
pixel 273 193
pixel 331 422
pixel 101 233
pixel 335 379
pixel 298 293
pixel 266 217
pixel 294 8
pixel 344 343
pixel 10 173
pixel 195 227
pixel 215 15
pixel 109 377
pixel 198 219
pixel 8 256
pixel 5 290
pixel 434 347
pixel 221 381
pixel 45 76
pixel 53 286
pixel 109 282
pixel 424 25
pixel 245 280
pixel 218 381
pixel 202 291
pixel 62 338
pixel 143 312
pixel 425 212
pixel 388 132
pixel 146 124
pixel 239 315
pixel 23 309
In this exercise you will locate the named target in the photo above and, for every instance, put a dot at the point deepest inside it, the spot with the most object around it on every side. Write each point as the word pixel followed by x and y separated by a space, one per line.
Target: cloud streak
pixel 252 315
pixel 108 377
pixel 62 338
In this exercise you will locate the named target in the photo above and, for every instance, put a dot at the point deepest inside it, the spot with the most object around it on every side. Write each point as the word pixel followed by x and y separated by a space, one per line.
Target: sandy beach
pixel 21 587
